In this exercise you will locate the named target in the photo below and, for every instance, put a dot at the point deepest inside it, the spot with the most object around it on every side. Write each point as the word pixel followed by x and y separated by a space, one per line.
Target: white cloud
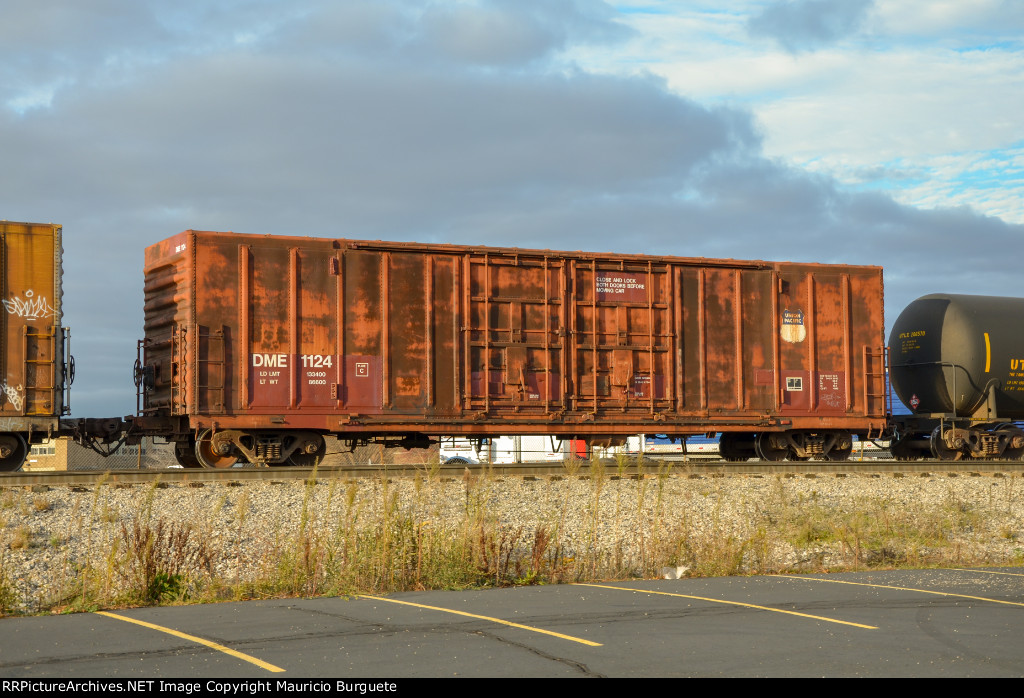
pixel 357 120
pixel 806 25
pixel 949 19
pixel 902 91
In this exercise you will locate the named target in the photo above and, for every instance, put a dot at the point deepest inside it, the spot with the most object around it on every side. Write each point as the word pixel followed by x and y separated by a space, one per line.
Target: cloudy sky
pixel 855 131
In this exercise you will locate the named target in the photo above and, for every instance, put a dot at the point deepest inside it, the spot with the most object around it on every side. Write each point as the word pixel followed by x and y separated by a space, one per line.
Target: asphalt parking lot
pixel 905 623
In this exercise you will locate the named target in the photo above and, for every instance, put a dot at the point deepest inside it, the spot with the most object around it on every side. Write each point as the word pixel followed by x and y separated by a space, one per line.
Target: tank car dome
pixel 947 350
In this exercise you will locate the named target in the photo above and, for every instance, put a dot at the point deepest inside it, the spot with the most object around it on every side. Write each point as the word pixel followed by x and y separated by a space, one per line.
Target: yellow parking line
pixel 734 603
pixel 193 638
pixel 1008 574
pixel 922 591
pixel 493 620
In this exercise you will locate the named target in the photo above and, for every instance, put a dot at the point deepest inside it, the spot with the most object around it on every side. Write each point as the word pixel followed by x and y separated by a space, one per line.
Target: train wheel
pixel 13 451
pixel 209 451
pixel 842 448
pixel 185 454
pixel 311 455
pixel 771 446
pixel 1015 446
pixel 939 448
pixel 736 448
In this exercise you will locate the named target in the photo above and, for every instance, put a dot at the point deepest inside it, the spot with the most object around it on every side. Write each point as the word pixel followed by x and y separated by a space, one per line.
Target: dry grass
pixel 379 537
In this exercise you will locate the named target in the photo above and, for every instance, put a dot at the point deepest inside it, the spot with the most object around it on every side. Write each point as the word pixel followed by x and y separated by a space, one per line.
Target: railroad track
pixel 651 468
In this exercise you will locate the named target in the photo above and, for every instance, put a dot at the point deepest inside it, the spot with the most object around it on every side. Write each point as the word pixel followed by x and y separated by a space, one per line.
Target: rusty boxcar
pixel 35 368
pixel 257 346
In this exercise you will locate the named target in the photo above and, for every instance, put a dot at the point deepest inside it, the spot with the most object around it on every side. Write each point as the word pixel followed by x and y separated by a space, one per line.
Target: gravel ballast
pixel 650 526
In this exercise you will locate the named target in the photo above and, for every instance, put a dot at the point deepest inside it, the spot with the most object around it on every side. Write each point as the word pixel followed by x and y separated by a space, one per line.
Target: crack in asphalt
pixel 943 637
pixel 579 666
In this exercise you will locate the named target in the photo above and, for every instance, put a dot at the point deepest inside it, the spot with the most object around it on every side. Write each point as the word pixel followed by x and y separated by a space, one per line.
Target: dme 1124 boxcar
pixel 256 347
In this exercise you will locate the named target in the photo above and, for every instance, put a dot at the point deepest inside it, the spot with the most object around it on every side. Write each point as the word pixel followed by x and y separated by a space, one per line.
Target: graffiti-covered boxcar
pixel 35 368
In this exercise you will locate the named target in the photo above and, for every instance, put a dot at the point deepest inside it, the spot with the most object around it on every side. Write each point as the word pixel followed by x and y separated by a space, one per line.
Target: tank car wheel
pixel 772 446
pixel 1015 448
pixel 13 451
pixel 207 452
pixel 307 458
pixel 939 448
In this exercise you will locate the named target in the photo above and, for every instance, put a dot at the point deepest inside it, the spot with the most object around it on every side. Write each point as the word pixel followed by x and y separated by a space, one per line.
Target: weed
pixel 431 469
pixel 572 465
pixel 21 539
pixel 107 515
pixel 386 536
pixel 8 594
pixel 160 555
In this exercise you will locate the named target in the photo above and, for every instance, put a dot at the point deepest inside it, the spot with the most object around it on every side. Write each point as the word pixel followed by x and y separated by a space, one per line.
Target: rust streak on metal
pixel 339 370
pixel 738 320
pixel 847 328
pixel 245 323
pixel 547 340
pixel 385 331
pixel 650 333
pixel 775 330
pixel 458 320
pixel 593 320
pixel 540 342
pixel 293 326
pixel 487 334
pixel 701 339
pixel 677 301
pixel 812 325
pixel 429 303
pixel 467 329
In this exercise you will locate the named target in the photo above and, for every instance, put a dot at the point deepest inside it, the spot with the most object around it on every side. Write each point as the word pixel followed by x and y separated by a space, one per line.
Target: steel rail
pixel 584 469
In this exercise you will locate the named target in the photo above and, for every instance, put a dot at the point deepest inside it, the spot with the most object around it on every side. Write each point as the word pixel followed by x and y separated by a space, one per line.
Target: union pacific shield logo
pixel 793 329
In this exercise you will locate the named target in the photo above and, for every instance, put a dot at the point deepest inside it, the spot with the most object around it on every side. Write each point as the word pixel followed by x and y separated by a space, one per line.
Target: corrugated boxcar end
pixel 270 341
pixel 33 370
